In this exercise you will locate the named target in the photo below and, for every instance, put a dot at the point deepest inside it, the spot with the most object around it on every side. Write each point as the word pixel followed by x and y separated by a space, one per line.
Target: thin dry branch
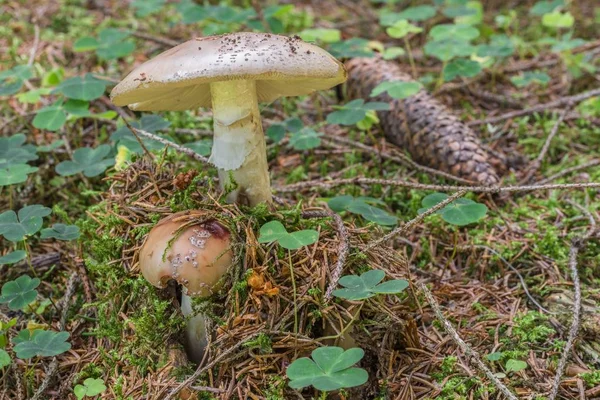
pixel 402 229
pixel 563 101
pixel 474 357
pixel 53 367
pixel 343 248
pixel 421 186
pixel 538 161
pixel 568 171
pixel 175 146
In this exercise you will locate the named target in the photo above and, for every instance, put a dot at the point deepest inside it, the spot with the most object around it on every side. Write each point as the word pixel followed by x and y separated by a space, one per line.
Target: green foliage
pixel 43 343
pixel 397 89
pixel 61 232
pixel 15 174
pixel 325 35
pixel 15 227
pixel 20 292
pixel 354 111
pixel 13 257
pixel 515 365
pixel 460 212
pixel 274 231
pixel 531 328
pixel 90 388
pixel 84 88
pixel 202 147
pixel 92 162
pixel 110 43
pixel 305 139
pixel 13 79
pixel 330 369
pixel 402 28
pixel 461 67
pixel 276 132
pixel 144 8
pixel 530 77
pixel 14 151
pixel 546 6
pixel 558 20
pixel 368 285
pixel 5 360
pixel 355 47
pixel 361 206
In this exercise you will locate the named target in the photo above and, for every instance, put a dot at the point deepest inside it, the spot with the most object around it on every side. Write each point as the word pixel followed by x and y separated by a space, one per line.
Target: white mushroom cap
pixel 197 259
pixel 179 78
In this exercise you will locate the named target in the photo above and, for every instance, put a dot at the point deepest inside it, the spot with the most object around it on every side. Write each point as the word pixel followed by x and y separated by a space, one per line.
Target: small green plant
pixel 368 285
pixel 149 123
pixel 397 89
pixel 20 292
pixel 61 232
pixel 91 162
pixel 515 365
pixel 362 206
pixel 90 388
pixel 15 227
pixel 13 257
pixel 274 231
pixel 305 139
pixel 354 112
pixel 276 132
pixel 331 368
pixel 110 44
pixel 41 343
pixel 460 212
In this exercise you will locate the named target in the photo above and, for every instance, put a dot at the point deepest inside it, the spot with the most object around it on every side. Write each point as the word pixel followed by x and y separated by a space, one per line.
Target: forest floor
pixel 509 282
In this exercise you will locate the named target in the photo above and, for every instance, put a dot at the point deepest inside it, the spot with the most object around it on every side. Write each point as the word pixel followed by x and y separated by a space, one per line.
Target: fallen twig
pixel 155 39
pixel 53 367
pixel 538 161
pixel 537 108
pixel 343 248
pixel 407 226
pixel 421 186
pixel 175 146
pixel 468 350
pixel 568 171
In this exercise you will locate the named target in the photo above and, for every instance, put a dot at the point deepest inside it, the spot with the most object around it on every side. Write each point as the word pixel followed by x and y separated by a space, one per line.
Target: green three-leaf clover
pixel 368 285
pixel 274 231
pixel 92 162
pixel 460 212
pixel 43 343
pixel 15 226
pixel 20 292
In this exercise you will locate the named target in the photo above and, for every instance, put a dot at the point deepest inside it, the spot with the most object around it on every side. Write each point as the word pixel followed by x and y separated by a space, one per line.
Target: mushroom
pixel 232 72
pixel 195 254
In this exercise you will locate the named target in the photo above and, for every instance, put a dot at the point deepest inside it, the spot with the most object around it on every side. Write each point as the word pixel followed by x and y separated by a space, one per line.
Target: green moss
pixel 532 328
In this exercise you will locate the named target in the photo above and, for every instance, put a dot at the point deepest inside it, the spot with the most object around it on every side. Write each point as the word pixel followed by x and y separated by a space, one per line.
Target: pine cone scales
pixel 427 129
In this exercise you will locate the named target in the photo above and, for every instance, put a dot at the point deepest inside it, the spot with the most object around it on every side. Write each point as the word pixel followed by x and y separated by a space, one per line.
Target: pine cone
pixel 427 129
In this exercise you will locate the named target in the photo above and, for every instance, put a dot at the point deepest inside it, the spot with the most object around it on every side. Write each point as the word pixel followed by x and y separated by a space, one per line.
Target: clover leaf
pixel 274 231
pixel 109 45
pixel 29 220
pixel 461 67
pixel 15 174
pixel 460 212
pixel 546 6
pixel 85 87
pixel 143 8
pixel 44 344
pixel 5 360
pixel 448 48
pixel 276 132
pixel 368 285
pixel 51 118
pixel 91 387
pixel 305 139
pixel 20 292
pixel 61 232
pixel 355 47
pixel 515 365
pixel 456 31
pixel 360 205
pixel 402 28
pixel 202 147
pixel 92 162
pixel 354 112
pixel 496 356
pixel 499 46
pixel 13 150
pixel 558 20
pixel 330 369
pixel 13 257
pixel 325 35
pixel 397 89
pixel 529 77
pixel 12 80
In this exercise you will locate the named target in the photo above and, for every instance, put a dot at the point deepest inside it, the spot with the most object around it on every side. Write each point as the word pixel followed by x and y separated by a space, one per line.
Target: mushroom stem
pixel 239 147
pixel 195 330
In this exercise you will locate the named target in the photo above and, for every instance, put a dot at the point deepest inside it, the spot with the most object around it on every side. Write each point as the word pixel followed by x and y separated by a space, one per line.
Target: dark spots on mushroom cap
pixel 216 229
pixel 199 48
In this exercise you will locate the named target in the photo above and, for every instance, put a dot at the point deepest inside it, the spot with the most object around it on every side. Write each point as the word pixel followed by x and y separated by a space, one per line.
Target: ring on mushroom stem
pixel 197 255
pixel 232 72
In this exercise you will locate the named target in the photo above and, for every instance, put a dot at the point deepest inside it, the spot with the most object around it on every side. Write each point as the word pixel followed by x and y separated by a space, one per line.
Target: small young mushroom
pixel 232 72
pixel 196 255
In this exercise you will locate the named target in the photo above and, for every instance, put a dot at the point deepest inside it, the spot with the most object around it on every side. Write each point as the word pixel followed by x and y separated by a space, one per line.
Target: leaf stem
pixel 294 291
